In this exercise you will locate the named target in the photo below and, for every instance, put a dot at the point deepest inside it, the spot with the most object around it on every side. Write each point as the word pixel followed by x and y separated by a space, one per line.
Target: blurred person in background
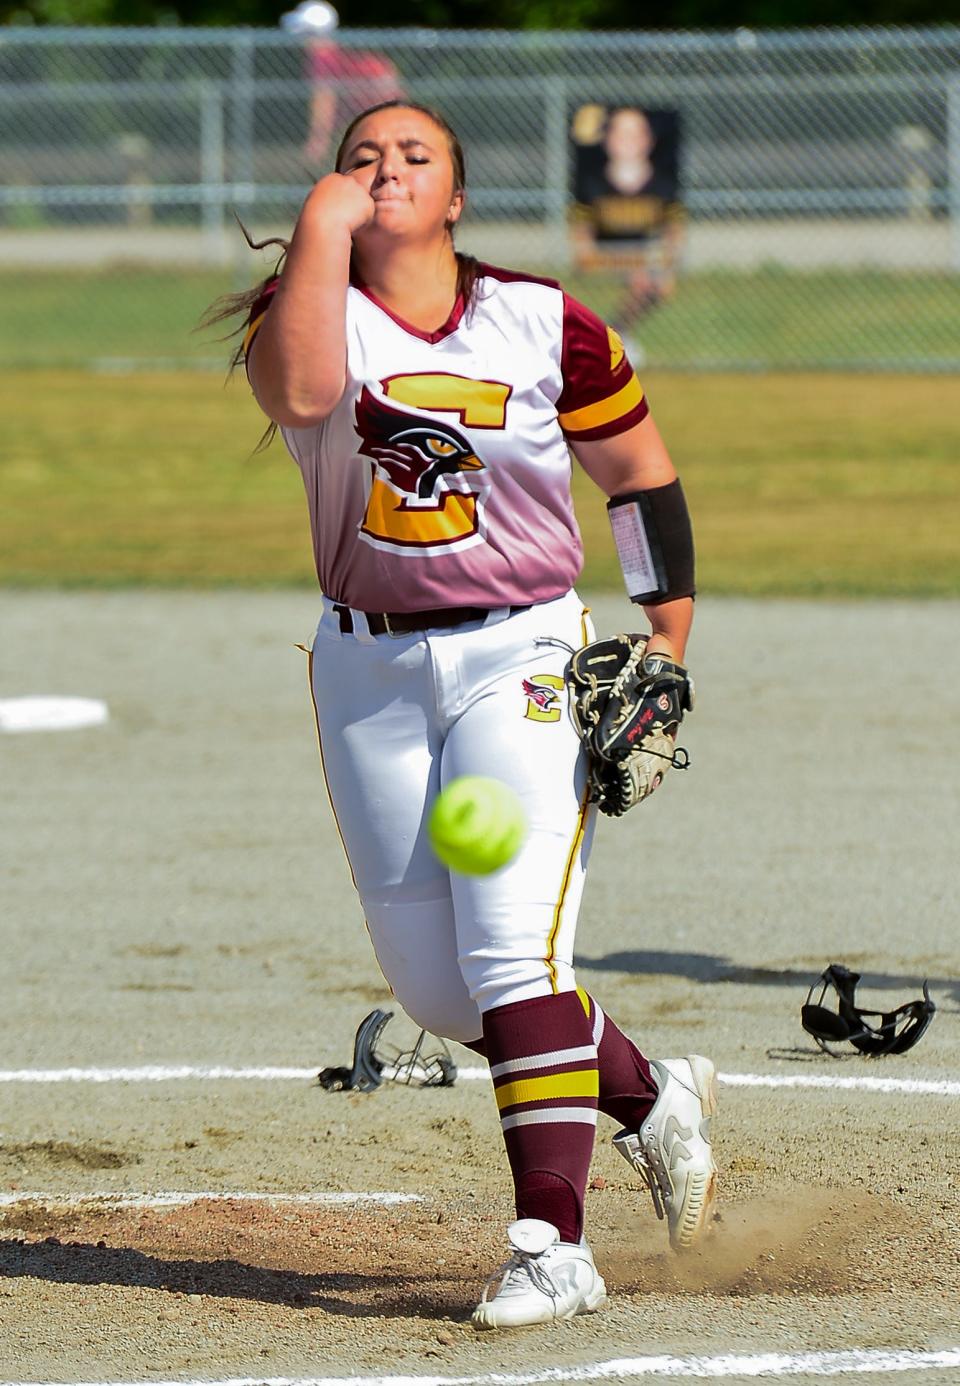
pixel 344 81
pixel 628 218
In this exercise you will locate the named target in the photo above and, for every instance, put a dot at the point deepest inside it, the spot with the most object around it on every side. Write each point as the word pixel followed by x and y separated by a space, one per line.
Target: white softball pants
pixel 398 718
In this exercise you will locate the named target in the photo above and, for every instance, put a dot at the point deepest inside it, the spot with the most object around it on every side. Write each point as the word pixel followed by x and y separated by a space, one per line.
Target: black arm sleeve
pixel 654 541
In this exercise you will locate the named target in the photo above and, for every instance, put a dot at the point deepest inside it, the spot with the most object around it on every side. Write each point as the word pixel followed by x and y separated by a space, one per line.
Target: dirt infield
pixel 175 894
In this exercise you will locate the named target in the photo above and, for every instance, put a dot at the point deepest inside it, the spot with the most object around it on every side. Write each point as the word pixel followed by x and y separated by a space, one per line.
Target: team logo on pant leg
pixel 543 697
pixel 426 484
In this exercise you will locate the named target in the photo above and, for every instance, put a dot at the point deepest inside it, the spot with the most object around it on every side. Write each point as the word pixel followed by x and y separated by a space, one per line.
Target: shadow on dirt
pixel 380 1294
pixel 709 969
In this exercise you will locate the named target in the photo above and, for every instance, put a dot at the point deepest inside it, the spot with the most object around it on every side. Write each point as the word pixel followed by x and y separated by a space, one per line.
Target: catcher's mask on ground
pixel 897 1031
pixel 429 1064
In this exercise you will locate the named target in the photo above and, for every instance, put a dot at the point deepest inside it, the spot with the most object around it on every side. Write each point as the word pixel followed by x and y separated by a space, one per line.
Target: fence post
pixel 212 167
pixel 242 81
pixel 556 166
pixel 953 169
pixel 133 150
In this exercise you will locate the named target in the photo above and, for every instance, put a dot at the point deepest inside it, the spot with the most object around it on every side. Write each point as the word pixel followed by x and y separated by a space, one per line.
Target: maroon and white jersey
pixel 442 477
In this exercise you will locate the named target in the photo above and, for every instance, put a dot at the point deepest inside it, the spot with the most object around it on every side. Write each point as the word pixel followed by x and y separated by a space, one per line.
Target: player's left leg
pixel 515 933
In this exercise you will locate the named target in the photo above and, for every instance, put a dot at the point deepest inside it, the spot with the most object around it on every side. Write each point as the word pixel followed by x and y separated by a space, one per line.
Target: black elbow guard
pixel 654 540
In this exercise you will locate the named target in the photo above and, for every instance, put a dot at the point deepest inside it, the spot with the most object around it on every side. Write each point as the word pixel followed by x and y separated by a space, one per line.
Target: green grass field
pixel 777 319
pixel 800 484
pixel 770 318
pixel 75 318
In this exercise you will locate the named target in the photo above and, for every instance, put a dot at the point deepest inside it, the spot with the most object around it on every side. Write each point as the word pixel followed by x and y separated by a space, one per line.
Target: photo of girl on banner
pixel 628 216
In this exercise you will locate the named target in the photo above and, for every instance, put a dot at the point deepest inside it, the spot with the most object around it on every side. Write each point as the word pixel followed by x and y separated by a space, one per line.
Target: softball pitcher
pixel 430 403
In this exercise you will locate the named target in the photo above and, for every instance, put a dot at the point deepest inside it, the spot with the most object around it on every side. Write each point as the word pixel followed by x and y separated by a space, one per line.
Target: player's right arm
pixel 297 352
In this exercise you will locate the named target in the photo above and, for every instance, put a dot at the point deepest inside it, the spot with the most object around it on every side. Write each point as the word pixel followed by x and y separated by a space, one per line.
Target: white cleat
pixel 545 1279
pixel 672 1148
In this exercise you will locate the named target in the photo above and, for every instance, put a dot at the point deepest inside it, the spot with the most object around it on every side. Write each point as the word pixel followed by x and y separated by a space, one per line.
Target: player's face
pixel 403 160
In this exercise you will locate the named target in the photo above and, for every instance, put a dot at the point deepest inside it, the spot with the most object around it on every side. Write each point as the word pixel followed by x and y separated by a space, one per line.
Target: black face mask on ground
pixel 897 1030
pixel 429 1064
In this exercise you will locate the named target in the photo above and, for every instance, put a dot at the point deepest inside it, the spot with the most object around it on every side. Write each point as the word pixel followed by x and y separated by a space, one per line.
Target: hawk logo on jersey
pixel 419 497
pixel 543 697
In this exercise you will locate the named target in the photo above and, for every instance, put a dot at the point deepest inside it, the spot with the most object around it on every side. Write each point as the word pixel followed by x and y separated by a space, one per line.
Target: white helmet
pixel 311 17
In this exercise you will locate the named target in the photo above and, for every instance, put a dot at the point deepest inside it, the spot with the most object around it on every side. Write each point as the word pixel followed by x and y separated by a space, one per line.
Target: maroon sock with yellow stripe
pixel 544 1067
pixel 627 1087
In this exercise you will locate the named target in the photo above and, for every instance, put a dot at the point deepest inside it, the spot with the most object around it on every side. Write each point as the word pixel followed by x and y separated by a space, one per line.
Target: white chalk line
pixel 180 1199
pixel 166 1073
pixel 154 1073
pixel 855 1360
pixel 934 1087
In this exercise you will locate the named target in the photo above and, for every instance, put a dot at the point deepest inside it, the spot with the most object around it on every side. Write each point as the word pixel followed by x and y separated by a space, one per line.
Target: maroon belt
pixel 406 622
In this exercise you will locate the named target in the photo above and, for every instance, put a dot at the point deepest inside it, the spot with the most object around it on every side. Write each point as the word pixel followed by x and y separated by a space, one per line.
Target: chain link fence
pixel 818 173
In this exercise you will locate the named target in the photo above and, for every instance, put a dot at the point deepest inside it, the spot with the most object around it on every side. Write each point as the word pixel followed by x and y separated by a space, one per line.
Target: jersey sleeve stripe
pixel 604 411
pixel 252 331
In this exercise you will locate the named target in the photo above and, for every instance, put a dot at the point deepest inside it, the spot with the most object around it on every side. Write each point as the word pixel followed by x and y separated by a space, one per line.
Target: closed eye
pixel 370 159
